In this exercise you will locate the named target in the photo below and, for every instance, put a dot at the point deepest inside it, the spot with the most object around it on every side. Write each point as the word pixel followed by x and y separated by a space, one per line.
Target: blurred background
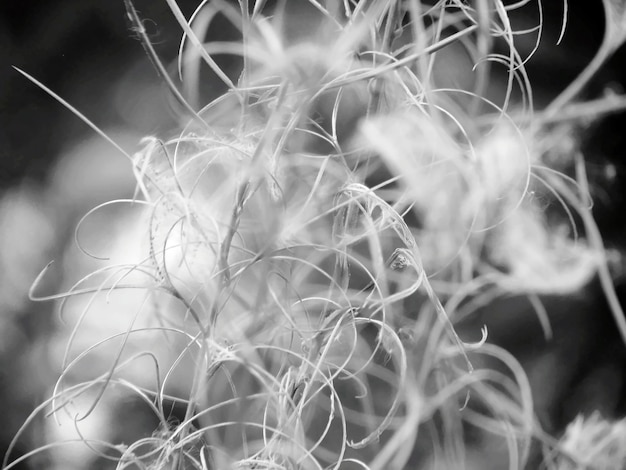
pixel 54 168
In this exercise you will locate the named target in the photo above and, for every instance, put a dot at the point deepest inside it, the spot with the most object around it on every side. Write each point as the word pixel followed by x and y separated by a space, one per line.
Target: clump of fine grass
pixel 591 442
pixel 302 244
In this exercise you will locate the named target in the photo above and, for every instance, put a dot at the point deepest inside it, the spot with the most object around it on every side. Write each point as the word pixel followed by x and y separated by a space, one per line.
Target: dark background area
pixel 82 50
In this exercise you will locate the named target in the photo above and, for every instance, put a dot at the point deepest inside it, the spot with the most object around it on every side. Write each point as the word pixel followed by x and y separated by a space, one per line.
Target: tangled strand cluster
pixel 301 235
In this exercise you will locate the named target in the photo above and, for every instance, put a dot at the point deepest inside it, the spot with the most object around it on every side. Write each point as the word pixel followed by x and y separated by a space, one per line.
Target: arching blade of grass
pixel 614 38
